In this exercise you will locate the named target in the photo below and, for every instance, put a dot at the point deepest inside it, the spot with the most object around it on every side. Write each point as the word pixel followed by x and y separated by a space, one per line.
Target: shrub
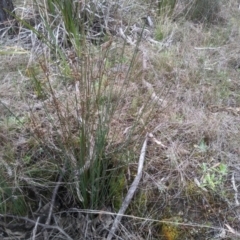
pixel 202 10
pixel 166 7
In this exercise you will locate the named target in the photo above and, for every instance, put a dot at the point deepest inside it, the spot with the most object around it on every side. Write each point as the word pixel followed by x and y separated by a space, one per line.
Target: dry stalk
pixel 148 85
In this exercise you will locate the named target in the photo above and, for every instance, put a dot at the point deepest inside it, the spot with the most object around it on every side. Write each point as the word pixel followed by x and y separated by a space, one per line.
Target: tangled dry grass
pixel 74 115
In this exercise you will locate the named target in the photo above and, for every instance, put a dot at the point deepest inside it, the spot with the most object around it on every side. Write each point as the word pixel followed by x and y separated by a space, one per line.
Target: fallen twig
pixel 35 229
pixel 131 191
pixel 52 203
pixel 235 190
pixel 39 224
pixel 54 197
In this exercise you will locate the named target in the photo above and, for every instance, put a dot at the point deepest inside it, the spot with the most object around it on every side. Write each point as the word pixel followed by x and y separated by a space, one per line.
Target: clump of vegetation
pixel 166 7
pixel 82 84
pixel 202 10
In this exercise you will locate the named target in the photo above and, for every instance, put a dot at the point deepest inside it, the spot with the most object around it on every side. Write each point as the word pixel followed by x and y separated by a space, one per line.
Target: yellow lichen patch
pixel 170 231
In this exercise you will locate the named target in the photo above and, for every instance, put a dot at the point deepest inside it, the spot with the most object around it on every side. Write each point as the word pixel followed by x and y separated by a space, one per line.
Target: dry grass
pixel 189 188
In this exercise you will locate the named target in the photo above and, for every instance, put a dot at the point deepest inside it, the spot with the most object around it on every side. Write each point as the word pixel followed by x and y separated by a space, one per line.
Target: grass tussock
pixel 82 85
